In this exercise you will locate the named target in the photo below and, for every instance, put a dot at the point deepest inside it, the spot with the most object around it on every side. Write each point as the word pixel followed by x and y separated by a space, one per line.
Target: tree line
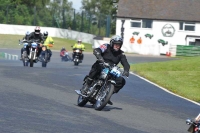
pixel 91 18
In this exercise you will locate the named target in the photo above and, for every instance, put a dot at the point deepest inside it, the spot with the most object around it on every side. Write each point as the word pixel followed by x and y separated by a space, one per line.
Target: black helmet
pixel 45 33
pixel 116 40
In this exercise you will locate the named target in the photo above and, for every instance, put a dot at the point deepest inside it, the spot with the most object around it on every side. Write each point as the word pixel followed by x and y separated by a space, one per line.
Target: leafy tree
pixel 100 9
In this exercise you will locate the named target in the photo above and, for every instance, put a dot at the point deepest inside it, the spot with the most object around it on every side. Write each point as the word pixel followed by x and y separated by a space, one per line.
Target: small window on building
pixel 145 23
pixel 136 24
pixel 180 25
pixel 187 26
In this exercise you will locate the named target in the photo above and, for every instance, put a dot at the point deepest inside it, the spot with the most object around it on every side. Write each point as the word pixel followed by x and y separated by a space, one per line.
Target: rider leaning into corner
pixel 36 35
pixel 111 54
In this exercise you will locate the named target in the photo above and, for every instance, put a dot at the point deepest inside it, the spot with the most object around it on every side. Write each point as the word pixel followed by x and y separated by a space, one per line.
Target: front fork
pixel 30 54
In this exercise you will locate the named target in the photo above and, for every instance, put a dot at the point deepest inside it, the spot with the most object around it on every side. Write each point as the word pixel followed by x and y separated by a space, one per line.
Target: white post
pixel 6 55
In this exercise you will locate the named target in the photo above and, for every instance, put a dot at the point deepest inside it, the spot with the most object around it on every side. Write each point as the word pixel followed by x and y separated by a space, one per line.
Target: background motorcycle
pixel 194 125
pixel 101 89
pixel 24 55
pixel 76 54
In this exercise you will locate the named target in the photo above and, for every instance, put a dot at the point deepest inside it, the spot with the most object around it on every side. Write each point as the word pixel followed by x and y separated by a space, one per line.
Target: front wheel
pixel 76 62
pixel 104 96
pixel 31 60
pixel 81 101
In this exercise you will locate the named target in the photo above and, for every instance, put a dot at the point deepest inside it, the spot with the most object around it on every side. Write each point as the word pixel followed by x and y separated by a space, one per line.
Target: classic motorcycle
pixel 102 88
pixel 33 52
pixel 76 54
pixel 194 125
pixel 25 59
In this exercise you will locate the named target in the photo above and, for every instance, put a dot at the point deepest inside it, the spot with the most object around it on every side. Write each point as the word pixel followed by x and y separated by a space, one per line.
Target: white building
pixel 152 27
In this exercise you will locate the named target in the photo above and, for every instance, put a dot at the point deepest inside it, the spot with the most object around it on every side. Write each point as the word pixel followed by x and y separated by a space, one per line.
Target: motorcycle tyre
pixel 81 101
pixel 107 98
pixel 75 63
pixel 31 60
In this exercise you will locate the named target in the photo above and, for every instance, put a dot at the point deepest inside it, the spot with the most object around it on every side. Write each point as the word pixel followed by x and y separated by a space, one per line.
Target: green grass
pixel 12 41
pixel 179 76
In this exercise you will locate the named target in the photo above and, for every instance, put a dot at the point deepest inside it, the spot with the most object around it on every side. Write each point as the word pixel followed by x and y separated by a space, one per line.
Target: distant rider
pixel 63 54
pixel 48 43
pixel 24 39
pixel 81 46
pixel 111 54
pixel 36 35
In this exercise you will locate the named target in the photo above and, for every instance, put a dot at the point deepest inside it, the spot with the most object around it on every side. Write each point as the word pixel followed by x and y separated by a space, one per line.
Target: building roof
pixel 175 10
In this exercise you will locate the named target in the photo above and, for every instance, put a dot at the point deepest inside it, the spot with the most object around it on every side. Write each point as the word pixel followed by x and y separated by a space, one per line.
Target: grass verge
pixel 178 76
pixel 12 41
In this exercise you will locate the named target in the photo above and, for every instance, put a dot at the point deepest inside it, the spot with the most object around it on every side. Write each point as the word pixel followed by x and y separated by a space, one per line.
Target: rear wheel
pixel 104 96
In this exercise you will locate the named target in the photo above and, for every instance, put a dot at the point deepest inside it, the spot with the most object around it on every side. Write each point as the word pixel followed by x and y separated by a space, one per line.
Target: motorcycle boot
pixel 109 102
pixel 116 90
pixel 88 84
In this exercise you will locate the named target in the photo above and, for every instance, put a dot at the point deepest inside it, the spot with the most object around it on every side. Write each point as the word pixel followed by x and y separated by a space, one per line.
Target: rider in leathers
pixel 111 54
pixel 36 35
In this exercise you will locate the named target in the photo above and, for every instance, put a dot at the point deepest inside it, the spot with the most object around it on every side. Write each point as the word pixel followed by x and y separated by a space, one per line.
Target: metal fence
pixel 182 50
pixel 78 20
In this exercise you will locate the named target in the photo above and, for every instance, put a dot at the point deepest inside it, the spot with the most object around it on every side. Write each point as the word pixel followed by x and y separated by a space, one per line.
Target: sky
pixel 76 4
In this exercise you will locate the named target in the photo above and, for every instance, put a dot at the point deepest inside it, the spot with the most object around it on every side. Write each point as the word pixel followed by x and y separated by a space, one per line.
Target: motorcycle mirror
pixel 188 121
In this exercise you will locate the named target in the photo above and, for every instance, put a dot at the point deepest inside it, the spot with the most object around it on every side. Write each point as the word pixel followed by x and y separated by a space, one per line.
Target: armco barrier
pixel 182 50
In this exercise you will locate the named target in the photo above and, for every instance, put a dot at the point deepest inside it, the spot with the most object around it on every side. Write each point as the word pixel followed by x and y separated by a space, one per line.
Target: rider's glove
pixel 125 73
pixel 106 64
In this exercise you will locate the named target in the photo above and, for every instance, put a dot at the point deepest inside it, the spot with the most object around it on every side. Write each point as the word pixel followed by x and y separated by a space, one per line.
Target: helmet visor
pixel 37 31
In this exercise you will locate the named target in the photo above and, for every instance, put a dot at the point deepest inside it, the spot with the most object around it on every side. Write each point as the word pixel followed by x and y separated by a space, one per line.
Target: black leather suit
pixel 112 57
